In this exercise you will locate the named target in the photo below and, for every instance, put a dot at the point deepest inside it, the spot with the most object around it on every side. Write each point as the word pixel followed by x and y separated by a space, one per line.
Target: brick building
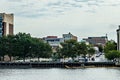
pixel 97 40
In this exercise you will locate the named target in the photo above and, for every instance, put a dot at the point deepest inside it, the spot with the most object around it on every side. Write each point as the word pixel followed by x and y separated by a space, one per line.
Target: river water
pixel 61 74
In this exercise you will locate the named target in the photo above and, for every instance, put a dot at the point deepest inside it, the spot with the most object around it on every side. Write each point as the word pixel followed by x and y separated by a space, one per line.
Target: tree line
pixel 22 46
pixel 73 49
pixel 110 50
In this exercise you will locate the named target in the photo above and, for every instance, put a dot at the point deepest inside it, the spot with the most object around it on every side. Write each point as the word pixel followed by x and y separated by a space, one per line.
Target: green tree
pixel 24 43
pixel 23 46
pixel 100 47
pixel 39 49
pixel 110 50
pixel 110 45
pixel 8 46
pixel 34 48
pixel 3 47
pixel 57 55
pixel 78 49
pixel 111 55
pixel 73 49
pixel 47 51
pixel 84 49
pixel 11 46
pixel 91 51
pixel 68 49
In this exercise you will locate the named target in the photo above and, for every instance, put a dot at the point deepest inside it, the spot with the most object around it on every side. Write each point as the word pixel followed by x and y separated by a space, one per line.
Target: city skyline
pixel 83 18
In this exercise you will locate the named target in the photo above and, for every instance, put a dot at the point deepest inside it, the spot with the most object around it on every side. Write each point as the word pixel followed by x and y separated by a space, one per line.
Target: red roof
pixel 51 36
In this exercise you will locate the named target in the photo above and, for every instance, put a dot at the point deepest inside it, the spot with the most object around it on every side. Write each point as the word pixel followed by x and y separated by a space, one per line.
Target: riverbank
pixel 55 64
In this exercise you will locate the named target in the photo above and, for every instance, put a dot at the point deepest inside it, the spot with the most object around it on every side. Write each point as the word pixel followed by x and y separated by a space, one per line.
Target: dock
pixel 54 64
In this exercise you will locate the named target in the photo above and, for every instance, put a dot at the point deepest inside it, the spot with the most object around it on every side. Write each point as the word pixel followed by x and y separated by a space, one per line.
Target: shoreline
pixel 56 64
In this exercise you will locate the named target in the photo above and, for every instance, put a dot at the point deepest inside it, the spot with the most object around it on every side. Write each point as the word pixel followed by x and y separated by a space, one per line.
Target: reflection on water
pixel 61 74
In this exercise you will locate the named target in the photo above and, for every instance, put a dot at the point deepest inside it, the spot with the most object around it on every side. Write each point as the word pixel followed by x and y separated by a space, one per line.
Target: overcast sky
pixel 82 18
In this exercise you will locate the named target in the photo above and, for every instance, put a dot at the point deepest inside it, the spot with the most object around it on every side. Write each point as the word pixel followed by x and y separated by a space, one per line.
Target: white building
pixel 54 41
pixel 69 36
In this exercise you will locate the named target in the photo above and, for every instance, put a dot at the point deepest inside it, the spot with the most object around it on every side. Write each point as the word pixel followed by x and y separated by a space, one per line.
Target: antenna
pixel 107 36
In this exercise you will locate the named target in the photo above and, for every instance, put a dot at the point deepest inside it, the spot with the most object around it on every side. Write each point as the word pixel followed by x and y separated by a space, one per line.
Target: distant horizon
pixel 66 33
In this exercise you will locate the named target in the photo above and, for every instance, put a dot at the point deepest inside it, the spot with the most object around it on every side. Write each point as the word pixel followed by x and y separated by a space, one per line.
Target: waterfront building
pixel 54 41
pixel 6 24
pixel 69 36
pixel 97 40
pixel 118 38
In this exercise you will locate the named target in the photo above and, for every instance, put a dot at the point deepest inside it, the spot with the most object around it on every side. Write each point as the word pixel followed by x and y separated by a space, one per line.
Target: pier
pixel 54 64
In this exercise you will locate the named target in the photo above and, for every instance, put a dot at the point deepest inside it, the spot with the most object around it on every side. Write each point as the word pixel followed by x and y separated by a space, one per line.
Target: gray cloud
pixel 55 7
pixel 81 0
pixel 38 8
pixel 14 0
pixel 41 8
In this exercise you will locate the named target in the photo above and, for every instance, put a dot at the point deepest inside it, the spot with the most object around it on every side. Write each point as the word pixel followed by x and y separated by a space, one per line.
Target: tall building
pixel 118 38
pixel 97 40
pixel 69 36
pixel 6 24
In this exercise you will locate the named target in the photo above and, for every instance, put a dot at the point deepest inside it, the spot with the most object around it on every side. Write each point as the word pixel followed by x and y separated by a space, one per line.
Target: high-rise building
pixel 6 24
pixel 118 38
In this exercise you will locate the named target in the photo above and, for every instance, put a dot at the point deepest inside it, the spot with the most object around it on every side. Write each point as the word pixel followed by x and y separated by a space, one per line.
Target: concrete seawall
pixel 54 64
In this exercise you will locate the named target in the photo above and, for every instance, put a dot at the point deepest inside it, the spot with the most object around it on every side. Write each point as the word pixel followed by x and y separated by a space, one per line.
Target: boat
pixel 79 67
